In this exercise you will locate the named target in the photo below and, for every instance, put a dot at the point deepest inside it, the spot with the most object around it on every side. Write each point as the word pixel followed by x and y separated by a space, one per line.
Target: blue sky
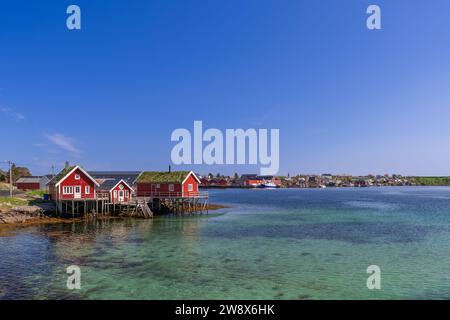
pixel 346 99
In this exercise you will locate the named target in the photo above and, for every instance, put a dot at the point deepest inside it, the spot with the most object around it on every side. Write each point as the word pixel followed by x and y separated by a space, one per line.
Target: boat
pixel 268 185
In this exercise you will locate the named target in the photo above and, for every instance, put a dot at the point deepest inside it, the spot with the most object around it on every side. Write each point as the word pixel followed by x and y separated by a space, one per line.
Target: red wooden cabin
pixel 73 183
pixel 29 183
pixel 183 184
pixel 118 190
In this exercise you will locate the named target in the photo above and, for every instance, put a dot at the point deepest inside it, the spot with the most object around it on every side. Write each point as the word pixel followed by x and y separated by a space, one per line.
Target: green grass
pixel 36 193
pixel 159 176
pixel 13 201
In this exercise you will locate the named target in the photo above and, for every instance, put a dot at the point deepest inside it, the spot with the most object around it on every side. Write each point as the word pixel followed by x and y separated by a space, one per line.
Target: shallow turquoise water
pixel 271 244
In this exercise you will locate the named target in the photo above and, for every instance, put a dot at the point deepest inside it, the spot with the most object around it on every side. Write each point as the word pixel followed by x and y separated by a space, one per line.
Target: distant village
pixel 308 181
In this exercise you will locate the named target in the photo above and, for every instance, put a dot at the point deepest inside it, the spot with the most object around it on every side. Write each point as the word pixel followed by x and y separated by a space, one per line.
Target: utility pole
pixel 10 178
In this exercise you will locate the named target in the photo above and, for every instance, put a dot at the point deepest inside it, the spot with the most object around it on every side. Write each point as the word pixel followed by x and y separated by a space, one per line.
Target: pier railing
pixel 102 196
pixel 140 194
pixel 203 194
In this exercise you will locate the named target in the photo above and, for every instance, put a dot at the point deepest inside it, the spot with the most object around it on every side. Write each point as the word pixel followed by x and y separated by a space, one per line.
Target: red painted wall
pixel 147 189
pixel 83 182
pixel 117 188
pixel 28 186
pixel 194 182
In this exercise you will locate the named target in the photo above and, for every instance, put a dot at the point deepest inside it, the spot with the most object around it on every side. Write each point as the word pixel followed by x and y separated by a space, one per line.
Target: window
pixel 190 187
pixel 171 187
pixel 67 190
pixel 158 186
pixel 127 193
pixel 77 177
pixel 87 190
pixel 115 193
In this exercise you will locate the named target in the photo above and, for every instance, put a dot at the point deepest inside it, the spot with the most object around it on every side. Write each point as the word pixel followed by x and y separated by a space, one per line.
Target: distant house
pixel 214 182
pixel 254 182
pixel 219 182
pixel 44 181
pixel 73 182
pixel 248 179
pixel 271 179
pixel 167 184
pixel 29 183
pixel 33 182
pixel 204 182
pixel 119 191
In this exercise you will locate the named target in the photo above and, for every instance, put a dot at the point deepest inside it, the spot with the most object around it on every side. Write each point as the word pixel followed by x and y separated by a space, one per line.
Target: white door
pixel 121 196
pixel 77 192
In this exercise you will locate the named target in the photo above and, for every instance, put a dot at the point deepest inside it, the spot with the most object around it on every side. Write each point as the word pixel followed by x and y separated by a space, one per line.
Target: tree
pixel 18 172
pixel 2 176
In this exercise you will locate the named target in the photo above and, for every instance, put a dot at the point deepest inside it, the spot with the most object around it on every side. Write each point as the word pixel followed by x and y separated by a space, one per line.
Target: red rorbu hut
pixel 72 183
pixel 119 191
pixel 179 184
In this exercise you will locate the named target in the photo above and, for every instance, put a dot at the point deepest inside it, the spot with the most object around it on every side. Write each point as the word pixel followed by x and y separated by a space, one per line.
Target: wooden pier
pixel 144 206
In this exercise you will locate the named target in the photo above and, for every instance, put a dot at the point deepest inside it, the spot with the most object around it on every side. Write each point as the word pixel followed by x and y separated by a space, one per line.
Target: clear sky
pixel 346 99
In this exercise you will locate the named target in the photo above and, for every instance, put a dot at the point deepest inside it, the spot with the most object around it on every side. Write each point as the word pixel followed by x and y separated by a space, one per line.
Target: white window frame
pixel 127 193
pixel 68 190
pixel 158 186
pixel 190 187
pixel 87 190
pixel 115 194
pixel 171 188
pixel 77 176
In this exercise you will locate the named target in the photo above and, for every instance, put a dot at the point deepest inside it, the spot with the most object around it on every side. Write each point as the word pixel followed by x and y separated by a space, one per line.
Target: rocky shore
pixel 32 214
pixel 21 214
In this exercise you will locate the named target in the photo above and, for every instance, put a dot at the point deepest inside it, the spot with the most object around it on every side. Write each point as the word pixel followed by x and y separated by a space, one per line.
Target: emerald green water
pixel 271 244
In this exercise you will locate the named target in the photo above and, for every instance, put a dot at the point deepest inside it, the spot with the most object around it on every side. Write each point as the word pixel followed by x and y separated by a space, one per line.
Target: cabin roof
pixel 109 184
pixel 128 176
pixel 160 176
pixel 62 174
pixel 31 179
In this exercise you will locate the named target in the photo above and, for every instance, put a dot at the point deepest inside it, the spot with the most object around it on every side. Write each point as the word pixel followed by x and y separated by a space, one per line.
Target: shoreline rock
pixel 21 214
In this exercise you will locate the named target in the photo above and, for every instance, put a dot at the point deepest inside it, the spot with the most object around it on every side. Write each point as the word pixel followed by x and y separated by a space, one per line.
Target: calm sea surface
pixel 271 244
